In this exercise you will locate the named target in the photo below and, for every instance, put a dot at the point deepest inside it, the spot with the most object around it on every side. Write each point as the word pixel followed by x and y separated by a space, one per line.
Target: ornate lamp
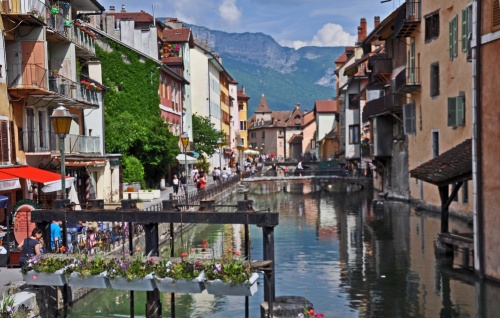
pixel 61 120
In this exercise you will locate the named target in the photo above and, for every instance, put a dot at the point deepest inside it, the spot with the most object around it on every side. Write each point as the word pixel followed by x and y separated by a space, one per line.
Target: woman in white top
pixel 175 184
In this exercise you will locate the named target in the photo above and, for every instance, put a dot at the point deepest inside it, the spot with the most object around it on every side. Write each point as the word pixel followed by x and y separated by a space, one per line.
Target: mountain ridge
pixel 286 76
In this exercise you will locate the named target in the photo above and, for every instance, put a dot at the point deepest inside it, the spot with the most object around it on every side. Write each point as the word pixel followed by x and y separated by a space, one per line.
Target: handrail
pixel 28 75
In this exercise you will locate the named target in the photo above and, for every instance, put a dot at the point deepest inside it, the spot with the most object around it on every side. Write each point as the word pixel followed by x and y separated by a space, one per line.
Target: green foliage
pixel 132 118
pixel 86 266
pixel 131 268
pixel 45 264
pixel 133 171
pixel 228 269
pixel 7 309
pixel 205 135
pixel 202 162
pixel 178 270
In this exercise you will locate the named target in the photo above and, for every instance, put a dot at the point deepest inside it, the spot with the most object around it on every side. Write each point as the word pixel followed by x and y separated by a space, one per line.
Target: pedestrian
pixel 183 182
pixel 71 231
pixel 286 170
pixel 300 168
pixel 202 182
pixel 194 172
pixel 175 185
pixel 214 175
pixel 30 246
pixel 224 175
pixel 274 168
pixel 55 236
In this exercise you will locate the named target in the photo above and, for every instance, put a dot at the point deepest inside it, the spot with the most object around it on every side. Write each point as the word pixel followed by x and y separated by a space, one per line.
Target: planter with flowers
pixel 230 276
pixel 88 272
pixel 132 273
pixel 179 277
pixel 45 270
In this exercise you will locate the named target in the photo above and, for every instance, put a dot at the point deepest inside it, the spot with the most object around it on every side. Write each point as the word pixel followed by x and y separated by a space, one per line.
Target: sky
pixel 292 23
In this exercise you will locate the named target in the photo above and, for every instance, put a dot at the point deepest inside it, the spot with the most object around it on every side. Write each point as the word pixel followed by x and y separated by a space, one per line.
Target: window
pixel 431 27
pixel 466 28
pixel 409 119
pixel 453 44
pixel 243 125
pixel 263 134
pixel 456 111
pixel 465 192
pixel 495 21
pixel 353 101
pixel 435 144
pixel 434 79
pixel 4 141
pixel 354 134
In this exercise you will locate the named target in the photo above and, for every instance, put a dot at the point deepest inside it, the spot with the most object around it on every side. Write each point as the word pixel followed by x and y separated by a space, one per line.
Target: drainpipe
pixel 476 149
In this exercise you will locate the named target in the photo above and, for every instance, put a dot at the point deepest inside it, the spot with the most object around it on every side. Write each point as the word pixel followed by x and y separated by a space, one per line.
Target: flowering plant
pixel 7 308
pixel 131 267
pixel 178 270
pixel 45 264
pixel 229 269
pixel 87 266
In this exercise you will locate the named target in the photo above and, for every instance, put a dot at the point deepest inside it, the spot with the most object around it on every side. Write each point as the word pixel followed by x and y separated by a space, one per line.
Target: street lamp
pixel 185 143
pixel 220 144
pixel 240 148
pixel 61 120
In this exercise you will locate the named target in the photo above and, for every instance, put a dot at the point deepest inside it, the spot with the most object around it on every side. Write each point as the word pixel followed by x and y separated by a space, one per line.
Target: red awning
pixel 8 182
pixel 6 176
pixel 38 175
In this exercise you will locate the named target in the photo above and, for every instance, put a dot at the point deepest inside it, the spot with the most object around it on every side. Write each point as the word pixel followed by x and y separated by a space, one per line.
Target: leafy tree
pixel 205 135
pixel 133 171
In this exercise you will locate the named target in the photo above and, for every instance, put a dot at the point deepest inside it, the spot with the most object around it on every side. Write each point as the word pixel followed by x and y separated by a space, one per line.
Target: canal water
pixel 346 257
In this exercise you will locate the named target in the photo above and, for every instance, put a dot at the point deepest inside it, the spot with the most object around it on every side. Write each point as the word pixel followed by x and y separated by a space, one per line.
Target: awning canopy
pixel 182 158
pixel 51 180
pixel 452 166
pixel 8 182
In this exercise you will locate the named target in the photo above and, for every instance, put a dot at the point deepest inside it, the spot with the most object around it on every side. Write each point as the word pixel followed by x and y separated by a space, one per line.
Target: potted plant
pixel 55 73
pixel 132 273
pixel 88 272
pixel 230 276
pixel 179 277
pixel 45 270
pixel 54 10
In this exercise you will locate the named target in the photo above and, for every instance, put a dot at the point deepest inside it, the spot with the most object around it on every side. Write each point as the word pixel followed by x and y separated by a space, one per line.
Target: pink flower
pixel 237 253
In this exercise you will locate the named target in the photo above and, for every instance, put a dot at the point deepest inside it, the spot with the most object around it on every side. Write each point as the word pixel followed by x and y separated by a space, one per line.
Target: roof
pixel 242 95
pixel 326 106
pixel 139 17
pixel 309 118
pixel 451 166
pixel 345 55
pixel 263 107
pixel 182 35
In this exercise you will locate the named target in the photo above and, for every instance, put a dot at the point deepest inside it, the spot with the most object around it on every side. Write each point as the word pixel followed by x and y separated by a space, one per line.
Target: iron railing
pixel 47 141
pixel 387 103
pixel 381 66
pixel 78 91
pixel 408 80
pixel 408 19
pixel 26 76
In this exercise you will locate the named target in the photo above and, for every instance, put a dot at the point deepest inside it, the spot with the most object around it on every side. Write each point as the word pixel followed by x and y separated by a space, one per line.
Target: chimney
pixel 298 106
pixel 243 88
pixel 123 8
pixel 376 21
pixel 362 30
pixel 111 8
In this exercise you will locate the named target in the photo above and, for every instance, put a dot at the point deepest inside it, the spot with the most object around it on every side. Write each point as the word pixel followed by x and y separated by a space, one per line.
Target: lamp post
pixel 240 148
pixel 185 143
pixel 220 144
pixel 61 120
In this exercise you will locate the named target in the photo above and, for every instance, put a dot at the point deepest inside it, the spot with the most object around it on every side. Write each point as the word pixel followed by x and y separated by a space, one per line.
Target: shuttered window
pixel 434 83
pixel 456 111
pixel 453 34
pixel 465 29
pixel 4 141
pixel 495 21
pixel 409 119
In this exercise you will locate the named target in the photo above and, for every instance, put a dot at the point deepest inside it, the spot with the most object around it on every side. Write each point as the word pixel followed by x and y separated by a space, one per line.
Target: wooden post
pixel 153 304
pixel 443 193
pixel 268 249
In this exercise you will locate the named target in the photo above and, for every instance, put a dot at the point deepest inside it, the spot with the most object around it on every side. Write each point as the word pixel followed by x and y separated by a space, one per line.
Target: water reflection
pixel 335 249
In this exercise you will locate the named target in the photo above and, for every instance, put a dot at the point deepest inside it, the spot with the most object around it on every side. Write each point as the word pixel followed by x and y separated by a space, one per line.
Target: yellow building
pixel 243 107
pixel 225 101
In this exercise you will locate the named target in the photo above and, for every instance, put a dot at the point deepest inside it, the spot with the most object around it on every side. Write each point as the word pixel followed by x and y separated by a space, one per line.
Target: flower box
pixel 218 287
pixel 142 284
pixel 183 286
pixel 96 281
pixel 44 279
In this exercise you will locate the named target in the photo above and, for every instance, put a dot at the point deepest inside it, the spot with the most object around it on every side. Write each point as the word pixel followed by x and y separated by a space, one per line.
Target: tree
pixel 205 135
pixel 133 171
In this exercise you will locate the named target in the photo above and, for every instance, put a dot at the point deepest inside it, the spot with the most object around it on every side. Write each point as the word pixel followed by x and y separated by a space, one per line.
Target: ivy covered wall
pixel 133 126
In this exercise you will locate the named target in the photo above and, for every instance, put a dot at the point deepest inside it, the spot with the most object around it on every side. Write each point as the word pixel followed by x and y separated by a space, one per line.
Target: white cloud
pixel 330 34
pixel 229 11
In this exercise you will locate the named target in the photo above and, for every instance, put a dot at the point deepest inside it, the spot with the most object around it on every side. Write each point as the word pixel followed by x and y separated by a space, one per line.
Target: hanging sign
pixel 9 184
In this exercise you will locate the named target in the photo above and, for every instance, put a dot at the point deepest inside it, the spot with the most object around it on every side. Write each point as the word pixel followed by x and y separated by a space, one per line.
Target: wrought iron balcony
pixel 27 76
pixel 391 103
pixel 83 38
pixel 84 91
pixel 408 19
pixel 47 141
pixel 408 80
pixel 382 69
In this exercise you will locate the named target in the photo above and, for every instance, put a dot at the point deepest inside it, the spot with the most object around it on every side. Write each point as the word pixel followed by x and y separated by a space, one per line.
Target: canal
pixel 337 251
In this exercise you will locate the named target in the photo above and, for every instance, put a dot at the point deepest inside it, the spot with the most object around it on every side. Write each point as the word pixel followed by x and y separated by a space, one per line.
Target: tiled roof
pixel 181 35
pixel 326 106
pixel 309 118
pixel 242 95
pixel 140 17
pixel 451 166
pixel 263 107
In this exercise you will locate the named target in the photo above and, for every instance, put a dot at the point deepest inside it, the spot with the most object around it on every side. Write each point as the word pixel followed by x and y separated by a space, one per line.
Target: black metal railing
pixel 28 75
pixel 408 80
pixel 47 141
pixel 382 66
pixel 408 19
pixel 388 103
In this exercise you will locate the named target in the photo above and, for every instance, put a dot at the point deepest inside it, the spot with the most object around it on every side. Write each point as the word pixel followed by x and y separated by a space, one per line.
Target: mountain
pixel 284 75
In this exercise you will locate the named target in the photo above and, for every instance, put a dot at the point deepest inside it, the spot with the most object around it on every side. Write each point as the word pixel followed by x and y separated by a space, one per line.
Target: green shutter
pixel 464 29
pixel 455 36
pixel 460 111
pixel 450 25
pixel 452 114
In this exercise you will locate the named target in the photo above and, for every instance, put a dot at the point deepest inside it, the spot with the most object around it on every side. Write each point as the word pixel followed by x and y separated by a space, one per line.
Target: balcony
pixel 408 80
pixel 32 77
pixel 391 103
pixel 46 141
pixel 408 19
pixel 382 69
pixel 85 92
pixel 32 11
pixel 59 28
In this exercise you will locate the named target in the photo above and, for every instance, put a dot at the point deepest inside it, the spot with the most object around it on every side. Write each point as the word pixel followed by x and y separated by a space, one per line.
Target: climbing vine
pixel 131 114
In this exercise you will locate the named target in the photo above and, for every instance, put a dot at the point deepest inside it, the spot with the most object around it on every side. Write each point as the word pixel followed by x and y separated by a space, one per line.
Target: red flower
pixel 184 254
pixel 237 253
pixel 230 250
pixel 138 249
